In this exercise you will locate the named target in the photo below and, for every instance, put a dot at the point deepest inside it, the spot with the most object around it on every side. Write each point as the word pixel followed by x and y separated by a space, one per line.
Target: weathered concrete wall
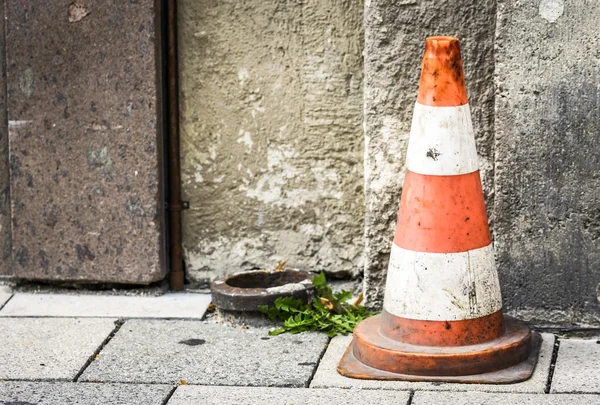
pixel 272 141
pixel 548 158
pixel 82 112
pixel 5 233
pixel 395 33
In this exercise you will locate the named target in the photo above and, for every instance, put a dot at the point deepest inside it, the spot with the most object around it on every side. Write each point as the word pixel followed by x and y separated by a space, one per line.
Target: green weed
pixel 327 312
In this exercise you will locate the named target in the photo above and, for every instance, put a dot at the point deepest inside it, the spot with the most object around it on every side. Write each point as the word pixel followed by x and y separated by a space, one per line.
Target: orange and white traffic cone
pixel 442 314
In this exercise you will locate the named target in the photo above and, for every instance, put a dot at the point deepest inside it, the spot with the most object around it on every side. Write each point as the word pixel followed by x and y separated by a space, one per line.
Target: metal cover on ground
pixel 200 352
pixel 49 349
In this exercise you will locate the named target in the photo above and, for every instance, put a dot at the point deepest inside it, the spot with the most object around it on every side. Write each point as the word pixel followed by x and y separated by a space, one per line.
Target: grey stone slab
pixel 192 395
pixel 49 349
pixel 480 398
pixel 5 294
pixel 145 351
pixel 178 305
pixel 60 393
pixel 547 157
pixel 271 139
pixel 85 144
pixel 5 230
pixel 395 33
pixel 577 366
pixel 328 377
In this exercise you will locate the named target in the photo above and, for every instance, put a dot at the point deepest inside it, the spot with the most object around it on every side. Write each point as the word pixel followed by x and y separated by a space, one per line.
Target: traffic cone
pixel 442 314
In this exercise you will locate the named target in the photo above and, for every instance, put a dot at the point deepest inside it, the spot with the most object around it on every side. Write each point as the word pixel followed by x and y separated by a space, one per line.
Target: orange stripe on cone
pixel 442 80
pixel 442 214
pixel 442 333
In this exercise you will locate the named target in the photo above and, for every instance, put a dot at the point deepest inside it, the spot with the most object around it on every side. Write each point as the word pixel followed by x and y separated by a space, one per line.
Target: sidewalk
pixel 113 349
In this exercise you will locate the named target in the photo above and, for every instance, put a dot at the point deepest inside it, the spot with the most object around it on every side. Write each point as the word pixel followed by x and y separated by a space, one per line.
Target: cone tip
pixel 442 78
pixel 441 38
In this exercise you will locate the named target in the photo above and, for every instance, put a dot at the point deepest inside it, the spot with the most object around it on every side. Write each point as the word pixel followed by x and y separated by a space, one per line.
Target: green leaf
pixel 277 332
pixel 289 304
pixel 319 280
pixel 332 317
pixel 318 305
pixel 342 296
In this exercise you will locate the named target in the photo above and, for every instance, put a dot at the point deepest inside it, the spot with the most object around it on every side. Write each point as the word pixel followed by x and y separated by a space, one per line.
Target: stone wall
pixel 395 33
pixel 539 149
pixel 84 157
pixel 272 139
pixel 547 184
pixel 274 155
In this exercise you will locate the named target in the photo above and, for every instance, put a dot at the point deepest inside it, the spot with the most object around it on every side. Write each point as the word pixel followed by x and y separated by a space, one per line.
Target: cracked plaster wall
pixel 271 132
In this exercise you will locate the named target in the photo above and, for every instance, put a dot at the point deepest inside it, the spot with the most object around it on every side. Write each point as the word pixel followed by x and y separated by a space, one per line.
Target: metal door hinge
pixel 184 205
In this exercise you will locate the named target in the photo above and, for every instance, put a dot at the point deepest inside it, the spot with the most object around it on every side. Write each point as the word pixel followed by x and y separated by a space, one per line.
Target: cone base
pixel 508 359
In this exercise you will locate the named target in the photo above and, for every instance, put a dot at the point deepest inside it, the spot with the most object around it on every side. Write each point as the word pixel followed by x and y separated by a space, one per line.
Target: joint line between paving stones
pixel 6 302
pixel 123 318
pixel 569 331
pixel 106 382
pixel 118 325
pixel 552 365
pixel 35 379
pixel 169 395
pixel 314 371
pixel 410 397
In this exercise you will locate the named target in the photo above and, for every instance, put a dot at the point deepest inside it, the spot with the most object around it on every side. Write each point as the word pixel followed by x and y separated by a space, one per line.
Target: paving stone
pixel 192 395
pixel 5 294
pixel 151 351
pixel 577 366
pixel 49 349
pixel 63 305
pixel 479 398
pixel 327 375
pixel 59 393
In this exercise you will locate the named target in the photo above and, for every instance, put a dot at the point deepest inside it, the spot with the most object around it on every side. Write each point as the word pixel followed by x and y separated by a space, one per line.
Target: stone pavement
pixel 112 349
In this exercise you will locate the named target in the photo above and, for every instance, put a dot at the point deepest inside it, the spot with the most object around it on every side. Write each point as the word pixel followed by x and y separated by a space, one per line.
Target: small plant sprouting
pixel 327 312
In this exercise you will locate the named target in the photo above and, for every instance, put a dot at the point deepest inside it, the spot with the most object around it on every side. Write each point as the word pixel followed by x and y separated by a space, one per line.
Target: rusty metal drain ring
pixel 248 290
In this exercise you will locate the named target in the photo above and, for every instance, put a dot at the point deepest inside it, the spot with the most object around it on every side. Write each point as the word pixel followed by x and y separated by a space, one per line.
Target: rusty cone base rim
pixel 508 358
pixel 350 367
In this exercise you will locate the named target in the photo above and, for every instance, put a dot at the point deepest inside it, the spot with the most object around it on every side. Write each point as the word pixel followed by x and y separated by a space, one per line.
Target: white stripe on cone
pixel 441 141
pixel 442 286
